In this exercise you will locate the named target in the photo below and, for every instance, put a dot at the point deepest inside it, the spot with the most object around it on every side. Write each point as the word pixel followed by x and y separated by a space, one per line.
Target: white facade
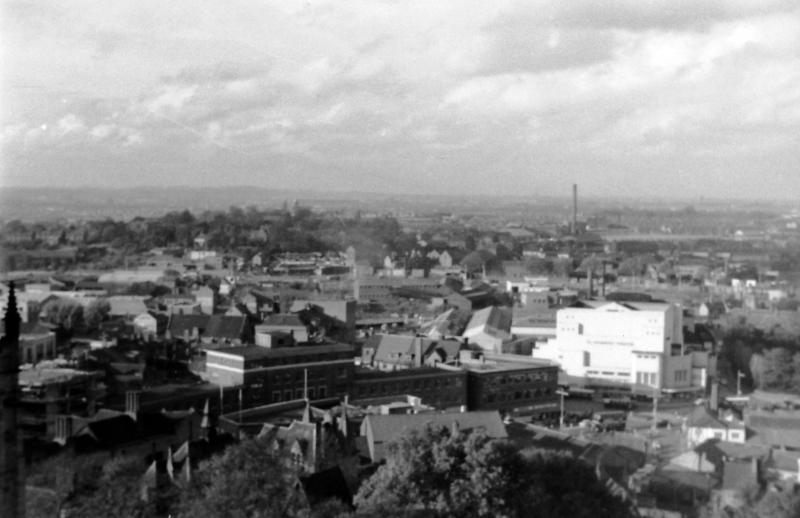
pixel 633 344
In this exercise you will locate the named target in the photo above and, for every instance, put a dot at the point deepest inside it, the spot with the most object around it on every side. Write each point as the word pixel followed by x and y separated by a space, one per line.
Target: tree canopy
pixel 439 472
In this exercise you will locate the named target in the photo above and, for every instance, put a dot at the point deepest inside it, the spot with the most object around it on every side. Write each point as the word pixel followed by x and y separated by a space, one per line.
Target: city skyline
pixel 624 98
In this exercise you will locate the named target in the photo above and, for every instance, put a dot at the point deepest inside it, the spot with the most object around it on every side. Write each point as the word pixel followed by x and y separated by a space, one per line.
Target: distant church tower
pixel 12 497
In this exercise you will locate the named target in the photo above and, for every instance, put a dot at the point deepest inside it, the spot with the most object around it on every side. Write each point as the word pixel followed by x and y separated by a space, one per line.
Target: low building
pixel 704 424
pixel 36 343
pixel 489 328
pixel 442 389
pixel 509 383
pixel 282 374
pixel 48 390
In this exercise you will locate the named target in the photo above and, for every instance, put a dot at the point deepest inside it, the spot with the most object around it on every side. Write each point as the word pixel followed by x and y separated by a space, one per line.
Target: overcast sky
pixel 680 98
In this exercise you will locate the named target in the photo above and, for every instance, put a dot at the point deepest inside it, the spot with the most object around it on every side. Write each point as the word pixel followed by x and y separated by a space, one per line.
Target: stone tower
pixel 12 496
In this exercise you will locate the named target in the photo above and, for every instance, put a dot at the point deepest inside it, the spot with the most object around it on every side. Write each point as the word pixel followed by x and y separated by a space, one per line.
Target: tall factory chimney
pixel 574 208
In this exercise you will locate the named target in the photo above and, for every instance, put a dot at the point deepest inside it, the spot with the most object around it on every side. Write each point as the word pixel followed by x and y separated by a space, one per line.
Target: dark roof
pixel 224 326
pixel 180 323
pixel 283 319
pixel 33 328
pixel 255 352
pixel 738 474
pixel 114 430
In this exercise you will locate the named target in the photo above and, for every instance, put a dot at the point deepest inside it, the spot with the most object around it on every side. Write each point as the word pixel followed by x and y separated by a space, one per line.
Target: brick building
pixel 276 375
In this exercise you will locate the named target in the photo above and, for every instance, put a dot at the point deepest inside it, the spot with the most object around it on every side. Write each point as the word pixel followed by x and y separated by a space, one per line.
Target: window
pixel 322 392
pixel 311 392
pixel 276 396
pixel 587 358
pixel 298 393
pixel 580 329
pixel 287 395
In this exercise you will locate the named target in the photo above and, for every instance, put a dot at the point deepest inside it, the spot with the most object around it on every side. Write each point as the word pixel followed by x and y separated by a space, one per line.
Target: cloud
pixel 476 96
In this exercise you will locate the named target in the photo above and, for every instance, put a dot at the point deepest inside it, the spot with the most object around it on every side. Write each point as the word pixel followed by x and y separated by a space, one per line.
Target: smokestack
pixel 713 403
pixel 603 280
pixel 574 208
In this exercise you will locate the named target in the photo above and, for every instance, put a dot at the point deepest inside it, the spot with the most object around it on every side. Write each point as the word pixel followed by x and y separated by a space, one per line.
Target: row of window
pixel 409 386
pixel 647 378
pixel 290 395
pixel 528 377
pixel 681 376
pixel 499 396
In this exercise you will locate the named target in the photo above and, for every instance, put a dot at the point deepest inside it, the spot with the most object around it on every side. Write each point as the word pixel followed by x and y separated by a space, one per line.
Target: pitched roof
pixel 492 317
pixel 284 319
pixel 388 427
pixel 739 474
pixel 225 326
pixel 389 348
pixel 126 305
pixel 702 417
pixel 180 323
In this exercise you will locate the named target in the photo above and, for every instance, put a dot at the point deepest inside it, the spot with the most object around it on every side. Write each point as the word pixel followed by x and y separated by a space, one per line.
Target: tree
pixel 438 472
pixel 777 369
pixel 95 313
pixel 66 314
pixel 249 480
pixel 116 491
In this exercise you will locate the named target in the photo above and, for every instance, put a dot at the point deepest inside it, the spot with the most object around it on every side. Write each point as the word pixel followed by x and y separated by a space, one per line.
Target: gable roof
pixel 225 326
pixel 385 428
pixel 180 323
pixel 493 317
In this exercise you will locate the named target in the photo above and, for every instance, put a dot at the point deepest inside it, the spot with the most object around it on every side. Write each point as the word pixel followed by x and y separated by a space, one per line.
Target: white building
pixel 636 344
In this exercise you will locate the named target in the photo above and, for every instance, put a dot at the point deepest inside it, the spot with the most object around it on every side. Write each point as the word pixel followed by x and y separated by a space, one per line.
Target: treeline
pixel 769 360
pixel 432 473
pixel 248 231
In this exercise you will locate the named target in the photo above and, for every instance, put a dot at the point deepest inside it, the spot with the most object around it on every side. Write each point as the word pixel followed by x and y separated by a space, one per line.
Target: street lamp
pixel 561 393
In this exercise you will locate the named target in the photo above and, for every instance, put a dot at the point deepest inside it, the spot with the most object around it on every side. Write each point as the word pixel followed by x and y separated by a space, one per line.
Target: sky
pixel 628 98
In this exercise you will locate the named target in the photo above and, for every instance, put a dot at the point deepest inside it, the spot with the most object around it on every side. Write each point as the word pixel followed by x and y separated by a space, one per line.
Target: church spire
pixel 11 317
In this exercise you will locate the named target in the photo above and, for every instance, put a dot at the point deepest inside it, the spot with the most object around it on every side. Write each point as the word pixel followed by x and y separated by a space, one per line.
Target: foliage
pixel 436 472
pixel 115 492
pixel 95 313
pixel 770 360
pixel 66 314
pixel 249 480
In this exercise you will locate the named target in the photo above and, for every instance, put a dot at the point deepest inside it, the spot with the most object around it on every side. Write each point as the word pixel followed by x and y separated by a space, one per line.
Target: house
pixel 704 424
pixel 205 297
pixel 393 352
pixel 151 323
pixel 187 327
pixel 286 323
pixel 226 329
pixel 396 352
pixel 489 328
pixel 739 478
pixel 36 343
pixel 379 430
